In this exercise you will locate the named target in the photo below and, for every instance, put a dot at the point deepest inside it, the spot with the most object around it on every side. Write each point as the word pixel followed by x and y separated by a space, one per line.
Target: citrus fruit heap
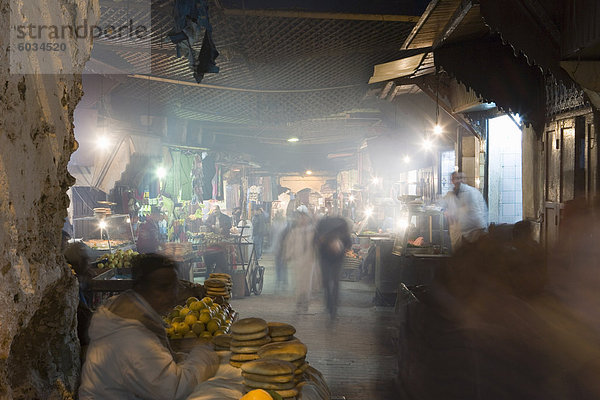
pixel 247 336
pixel 118 259
pixel 218 285
pixel 271 374
pixel 199 318
pixel 281 332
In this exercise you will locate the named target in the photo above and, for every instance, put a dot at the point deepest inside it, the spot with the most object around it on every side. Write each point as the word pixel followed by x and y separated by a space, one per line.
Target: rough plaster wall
pixel 38 294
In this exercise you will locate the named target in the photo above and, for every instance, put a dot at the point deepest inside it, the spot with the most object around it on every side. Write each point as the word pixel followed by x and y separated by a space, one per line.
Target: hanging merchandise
pixel 191 17
pixel 254 193
pixel 219 191
pixel 178 182
pixel 197 176
pixel 209 170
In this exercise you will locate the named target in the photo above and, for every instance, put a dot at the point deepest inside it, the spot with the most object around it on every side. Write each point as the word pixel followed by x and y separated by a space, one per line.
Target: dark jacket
pixel 224 223
pixel 329 230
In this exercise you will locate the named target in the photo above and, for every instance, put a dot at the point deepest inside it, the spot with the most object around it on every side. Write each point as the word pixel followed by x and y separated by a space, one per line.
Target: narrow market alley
pixel 356 354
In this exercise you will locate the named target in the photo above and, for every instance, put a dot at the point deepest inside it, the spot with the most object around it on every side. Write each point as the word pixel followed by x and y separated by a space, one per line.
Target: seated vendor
pixel 218 222
pixel 129 355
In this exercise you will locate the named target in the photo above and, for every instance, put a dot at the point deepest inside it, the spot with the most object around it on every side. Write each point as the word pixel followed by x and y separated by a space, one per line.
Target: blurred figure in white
pixel 298 254
pixel 466 212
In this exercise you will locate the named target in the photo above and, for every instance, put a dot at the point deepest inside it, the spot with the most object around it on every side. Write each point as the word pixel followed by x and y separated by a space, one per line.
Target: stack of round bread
pixel 281 332
pixel 276 375
pixel 218 285
pixel 247 336
pixel 222 342
pixel 293 351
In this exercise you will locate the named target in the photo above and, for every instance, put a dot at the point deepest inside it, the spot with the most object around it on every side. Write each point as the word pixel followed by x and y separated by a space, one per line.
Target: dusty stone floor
pixel 356 353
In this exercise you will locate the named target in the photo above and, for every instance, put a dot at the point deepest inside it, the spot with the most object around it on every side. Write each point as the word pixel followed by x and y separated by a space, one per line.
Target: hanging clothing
pixel 197 176
pixel 191 17
pixel 209 170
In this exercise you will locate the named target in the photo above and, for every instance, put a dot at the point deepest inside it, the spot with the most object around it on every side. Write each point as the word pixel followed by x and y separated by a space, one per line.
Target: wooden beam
pixel 384 92
pixel 234 89
pixel 421 21
pixel 459 14
pixel 321 15
pixel 457 117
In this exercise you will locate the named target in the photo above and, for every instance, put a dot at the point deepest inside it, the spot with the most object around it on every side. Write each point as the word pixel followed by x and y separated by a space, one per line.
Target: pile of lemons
pixel 199 318
pixel 118 259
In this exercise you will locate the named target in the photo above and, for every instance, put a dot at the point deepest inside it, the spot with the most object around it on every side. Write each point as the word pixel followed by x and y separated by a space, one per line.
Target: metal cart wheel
pixel 256 278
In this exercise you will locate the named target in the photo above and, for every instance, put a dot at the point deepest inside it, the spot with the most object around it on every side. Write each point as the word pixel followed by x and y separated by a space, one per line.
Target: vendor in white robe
pixel 129 356
pixel 466 212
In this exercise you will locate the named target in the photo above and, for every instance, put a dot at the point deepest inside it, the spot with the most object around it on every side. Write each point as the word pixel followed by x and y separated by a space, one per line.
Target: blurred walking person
pixel 259 230
pixel 332 238
pixel 298 254
pixel 466 212
pixel 280 231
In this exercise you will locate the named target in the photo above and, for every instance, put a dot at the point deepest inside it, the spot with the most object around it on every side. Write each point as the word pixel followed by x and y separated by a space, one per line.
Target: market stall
pixel 414 255
pixel 104 233
pixel 255 355
pixel 249 349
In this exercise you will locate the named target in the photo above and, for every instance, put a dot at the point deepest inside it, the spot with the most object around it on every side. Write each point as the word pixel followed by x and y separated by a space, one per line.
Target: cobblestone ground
pixel 355 353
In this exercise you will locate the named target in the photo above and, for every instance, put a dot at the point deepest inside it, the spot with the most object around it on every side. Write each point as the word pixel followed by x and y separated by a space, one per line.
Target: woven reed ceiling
pixel 277 75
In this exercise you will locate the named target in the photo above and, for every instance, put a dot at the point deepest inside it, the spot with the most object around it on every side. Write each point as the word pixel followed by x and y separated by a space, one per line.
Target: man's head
pixel 457 178
pixel 78 256
pixel 216 210
pixel 155 278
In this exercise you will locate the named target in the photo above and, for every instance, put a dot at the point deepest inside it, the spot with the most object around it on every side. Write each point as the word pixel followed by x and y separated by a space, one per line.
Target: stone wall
pixel 39 351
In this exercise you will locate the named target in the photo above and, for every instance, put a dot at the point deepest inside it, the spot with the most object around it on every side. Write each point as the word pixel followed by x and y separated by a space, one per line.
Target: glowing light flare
pixel 161 172
pixel 351 198
pixel 406 159
pixel 102 224
pixel 437 129
pixel 103 142
pixel 308 172
pixel 369 212
pixel 375 180
pixel 427 144
pixel 293 140
pixel 403 224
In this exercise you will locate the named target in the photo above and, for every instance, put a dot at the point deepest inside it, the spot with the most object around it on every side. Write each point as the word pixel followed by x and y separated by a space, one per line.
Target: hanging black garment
pixel 191 17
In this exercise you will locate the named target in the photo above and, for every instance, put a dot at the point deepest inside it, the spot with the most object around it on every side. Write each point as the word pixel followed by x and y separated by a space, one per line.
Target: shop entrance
pixel 505 192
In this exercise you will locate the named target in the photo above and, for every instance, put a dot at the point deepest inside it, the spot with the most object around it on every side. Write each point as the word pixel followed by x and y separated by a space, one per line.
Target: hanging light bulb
pixel 161 172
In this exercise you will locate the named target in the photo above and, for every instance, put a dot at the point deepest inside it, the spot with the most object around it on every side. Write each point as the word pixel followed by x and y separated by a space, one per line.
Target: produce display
pixel 199 319
pixel 118 259
pixel 248 335
pixel 277 376
pixel 207 239
pixel 217 285
pixel 102 244
pixel 281 332
pixel 272 360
